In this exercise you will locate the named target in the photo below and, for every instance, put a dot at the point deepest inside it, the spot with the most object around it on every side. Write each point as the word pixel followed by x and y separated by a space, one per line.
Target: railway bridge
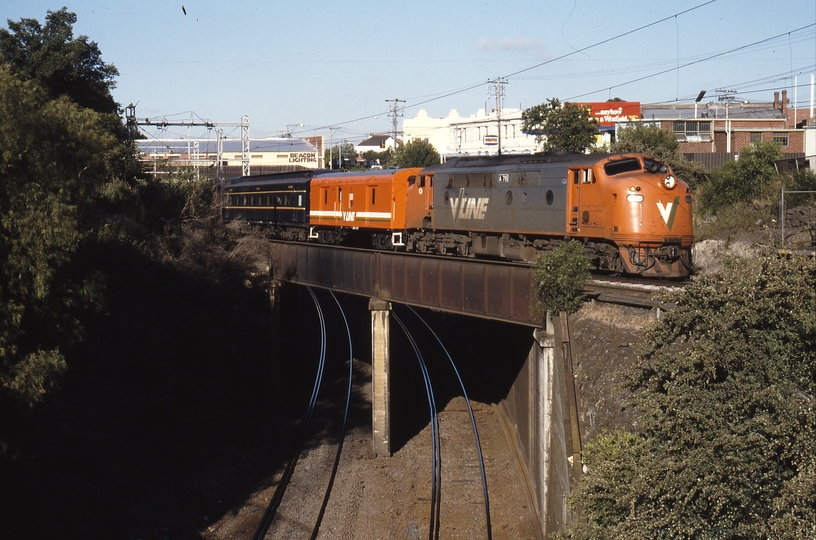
pixel 541 407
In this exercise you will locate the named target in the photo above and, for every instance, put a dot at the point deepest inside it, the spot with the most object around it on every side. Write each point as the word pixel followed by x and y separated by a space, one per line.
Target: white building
pixel 265 155
pixel 377 143
pixel 475 135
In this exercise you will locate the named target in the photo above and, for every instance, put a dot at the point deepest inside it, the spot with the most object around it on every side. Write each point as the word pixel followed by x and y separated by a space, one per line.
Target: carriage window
pixel 373 195
pixel 300 200
pixel 325 196
pixel 340 194
pixel 351 199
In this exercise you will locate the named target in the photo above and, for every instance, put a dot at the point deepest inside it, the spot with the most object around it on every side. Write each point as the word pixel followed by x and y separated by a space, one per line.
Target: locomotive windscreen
pixel 622 166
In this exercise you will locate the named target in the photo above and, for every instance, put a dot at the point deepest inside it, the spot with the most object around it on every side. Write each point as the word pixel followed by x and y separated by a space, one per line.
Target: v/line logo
pixel 669 211
pixel 468 207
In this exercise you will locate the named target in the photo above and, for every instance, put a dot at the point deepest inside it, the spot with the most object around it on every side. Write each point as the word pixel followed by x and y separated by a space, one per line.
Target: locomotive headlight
pixel 669 182
pixel 634 197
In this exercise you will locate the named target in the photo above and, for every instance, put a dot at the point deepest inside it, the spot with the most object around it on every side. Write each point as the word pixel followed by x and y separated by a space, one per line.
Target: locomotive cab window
pixel 411 180
pixel 621 166
pixel 583 176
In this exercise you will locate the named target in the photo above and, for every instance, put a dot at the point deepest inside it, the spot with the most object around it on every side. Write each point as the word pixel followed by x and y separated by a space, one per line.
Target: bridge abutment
pixel 380 376
pixel 534 414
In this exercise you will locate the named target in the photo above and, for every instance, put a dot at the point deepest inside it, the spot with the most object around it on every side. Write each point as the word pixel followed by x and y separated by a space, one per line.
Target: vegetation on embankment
pixel 724 445
pixel 134 335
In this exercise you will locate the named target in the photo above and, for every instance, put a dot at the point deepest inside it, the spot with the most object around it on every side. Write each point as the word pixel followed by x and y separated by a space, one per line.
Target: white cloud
pixel 508 44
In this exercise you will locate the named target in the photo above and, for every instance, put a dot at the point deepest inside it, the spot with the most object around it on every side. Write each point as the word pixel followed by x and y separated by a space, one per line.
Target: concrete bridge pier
pixel 380 375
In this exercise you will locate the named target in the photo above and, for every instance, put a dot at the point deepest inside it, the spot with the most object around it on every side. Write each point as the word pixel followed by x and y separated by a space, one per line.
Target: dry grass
pixel 622 318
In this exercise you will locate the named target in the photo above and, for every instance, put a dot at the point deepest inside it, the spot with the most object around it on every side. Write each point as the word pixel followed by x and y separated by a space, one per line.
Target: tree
pixel 726 446
pixel 55 156
pixel 341 156
pixel 560 128
pixel 660 143
pixel 744 180
pixel 385 157
pixel 416 153
pixel 648 139
pixel 560 276
pixel 58 62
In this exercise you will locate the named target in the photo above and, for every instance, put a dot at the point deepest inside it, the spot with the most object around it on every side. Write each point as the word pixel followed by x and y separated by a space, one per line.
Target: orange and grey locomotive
pixel 630 212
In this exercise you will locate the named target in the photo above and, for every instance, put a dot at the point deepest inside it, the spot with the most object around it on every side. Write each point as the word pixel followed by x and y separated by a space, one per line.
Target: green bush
pixel 741 181
pixel 725 394
pixel 559 276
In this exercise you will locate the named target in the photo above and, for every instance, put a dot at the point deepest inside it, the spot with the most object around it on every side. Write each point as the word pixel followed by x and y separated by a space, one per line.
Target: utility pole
pixel 497 90
pixel 395 114
pixel 727 97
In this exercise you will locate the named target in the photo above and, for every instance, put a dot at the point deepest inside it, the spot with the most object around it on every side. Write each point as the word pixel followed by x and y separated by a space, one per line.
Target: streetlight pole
pixel 331 144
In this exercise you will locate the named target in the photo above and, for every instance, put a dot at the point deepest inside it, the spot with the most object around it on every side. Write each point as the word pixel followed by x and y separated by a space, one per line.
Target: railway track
pixel 463 470
pixel 631 292
pixel 297 499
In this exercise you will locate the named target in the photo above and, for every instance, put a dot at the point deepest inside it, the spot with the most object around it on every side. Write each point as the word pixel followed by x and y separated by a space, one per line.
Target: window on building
pixel 756 137
pixel 781 138
pixel 692 131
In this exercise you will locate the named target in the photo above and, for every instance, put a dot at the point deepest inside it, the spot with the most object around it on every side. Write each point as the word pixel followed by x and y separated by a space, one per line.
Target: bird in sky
pixel 184 10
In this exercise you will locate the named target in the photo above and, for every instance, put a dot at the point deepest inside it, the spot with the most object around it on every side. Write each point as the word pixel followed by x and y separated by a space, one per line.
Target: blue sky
pixel 326 64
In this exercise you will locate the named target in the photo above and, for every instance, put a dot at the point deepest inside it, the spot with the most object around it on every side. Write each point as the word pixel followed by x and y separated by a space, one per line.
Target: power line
pixel 693 62
pixel 610 39
pixel 479 85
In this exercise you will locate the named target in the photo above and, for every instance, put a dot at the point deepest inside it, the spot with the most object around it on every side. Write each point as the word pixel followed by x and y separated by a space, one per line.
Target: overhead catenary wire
pixel 710 57
pixel 481 84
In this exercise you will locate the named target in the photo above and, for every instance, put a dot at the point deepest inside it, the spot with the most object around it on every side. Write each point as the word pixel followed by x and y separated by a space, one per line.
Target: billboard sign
pixel 609 113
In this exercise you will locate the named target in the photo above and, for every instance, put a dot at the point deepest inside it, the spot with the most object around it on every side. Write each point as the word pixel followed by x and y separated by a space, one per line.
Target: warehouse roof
pixel 232 146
